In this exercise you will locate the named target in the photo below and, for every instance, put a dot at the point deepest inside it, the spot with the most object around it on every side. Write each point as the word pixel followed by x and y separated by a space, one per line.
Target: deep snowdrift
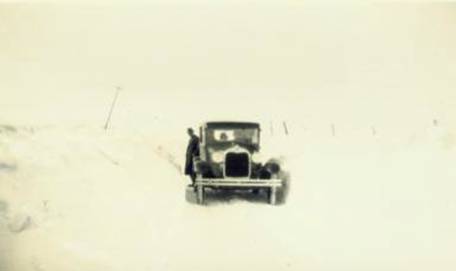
pixel 82 198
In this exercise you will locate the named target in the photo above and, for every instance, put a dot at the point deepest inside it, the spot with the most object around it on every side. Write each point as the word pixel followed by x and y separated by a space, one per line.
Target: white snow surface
pixel 367 92
pixel 82 198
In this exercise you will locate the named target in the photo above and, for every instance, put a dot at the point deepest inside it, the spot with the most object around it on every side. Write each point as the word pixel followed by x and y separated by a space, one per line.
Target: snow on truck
pixel 229 159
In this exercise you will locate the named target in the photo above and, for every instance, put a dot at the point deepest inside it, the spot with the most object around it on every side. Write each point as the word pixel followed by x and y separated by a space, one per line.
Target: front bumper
pixel 237 182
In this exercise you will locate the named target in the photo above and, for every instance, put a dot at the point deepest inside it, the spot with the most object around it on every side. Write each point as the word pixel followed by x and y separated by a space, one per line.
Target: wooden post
pixel 374 132
pixel 333 129
pixel 285 127
pixel 108 120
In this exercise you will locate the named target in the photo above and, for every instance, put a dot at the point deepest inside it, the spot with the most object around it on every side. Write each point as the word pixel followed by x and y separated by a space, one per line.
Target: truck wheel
pixel 282 192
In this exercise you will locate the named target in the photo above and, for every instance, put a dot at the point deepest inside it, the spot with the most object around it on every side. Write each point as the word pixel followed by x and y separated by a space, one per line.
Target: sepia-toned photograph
pixel 227 135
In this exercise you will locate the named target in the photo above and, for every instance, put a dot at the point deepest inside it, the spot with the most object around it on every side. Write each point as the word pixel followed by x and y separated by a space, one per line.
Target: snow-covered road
pixel 86 199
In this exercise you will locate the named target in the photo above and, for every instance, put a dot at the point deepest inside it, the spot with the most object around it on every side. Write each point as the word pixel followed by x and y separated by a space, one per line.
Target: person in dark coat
pixel 192 151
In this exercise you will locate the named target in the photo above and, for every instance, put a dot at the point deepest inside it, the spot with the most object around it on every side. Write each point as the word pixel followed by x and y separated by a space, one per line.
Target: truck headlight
pixel 217 156
pixel 256 158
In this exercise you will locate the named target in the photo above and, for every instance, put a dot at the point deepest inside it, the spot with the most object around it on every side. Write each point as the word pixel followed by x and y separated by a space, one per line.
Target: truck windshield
pixel 245 136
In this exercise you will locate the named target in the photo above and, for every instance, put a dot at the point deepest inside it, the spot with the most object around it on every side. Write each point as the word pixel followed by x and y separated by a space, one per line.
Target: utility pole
pixel 108 120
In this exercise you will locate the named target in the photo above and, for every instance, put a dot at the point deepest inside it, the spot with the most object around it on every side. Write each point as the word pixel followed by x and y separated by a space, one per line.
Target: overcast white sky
pixel 377 61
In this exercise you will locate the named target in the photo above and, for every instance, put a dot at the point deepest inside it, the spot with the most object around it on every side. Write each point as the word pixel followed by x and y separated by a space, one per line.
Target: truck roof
pixel 232 124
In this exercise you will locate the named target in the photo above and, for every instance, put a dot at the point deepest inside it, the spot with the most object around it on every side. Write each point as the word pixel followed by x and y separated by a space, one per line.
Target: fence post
pixel 108 120
pixel 285 127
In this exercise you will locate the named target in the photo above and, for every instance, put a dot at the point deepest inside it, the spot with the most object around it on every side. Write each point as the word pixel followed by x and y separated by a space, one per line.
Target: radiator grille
pixel 237 165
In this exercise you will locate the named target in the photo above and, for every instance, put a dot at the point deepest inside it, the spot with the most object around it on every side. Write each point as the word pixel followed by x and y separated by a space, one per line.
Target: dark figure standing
pixel 192 151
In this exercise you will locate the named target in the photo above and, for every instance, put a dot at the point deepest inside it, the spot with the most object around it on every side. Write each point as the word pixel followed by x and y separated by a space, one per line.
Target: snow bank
pixel 81 198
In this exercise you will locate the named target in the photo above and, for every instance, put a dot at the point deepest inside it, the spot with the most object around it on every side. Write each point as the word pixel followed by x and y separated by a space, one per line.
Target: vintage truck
pixel 229 159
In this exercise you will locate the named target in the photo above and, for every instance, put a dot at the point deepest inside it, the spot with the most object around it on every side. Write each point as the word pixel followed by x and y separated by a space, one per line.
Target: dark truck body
pixel 227 160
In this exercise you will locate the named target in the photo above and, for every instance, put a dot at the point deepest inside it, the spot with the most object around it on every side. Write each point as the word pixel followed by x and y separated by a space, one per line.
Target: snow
pixel 369 104
pixel 84 198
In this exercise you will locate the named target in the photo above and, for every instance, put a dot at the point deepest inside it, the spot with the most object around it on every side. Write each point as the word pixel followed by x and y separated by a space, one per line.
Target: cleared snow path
pixel 83 199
